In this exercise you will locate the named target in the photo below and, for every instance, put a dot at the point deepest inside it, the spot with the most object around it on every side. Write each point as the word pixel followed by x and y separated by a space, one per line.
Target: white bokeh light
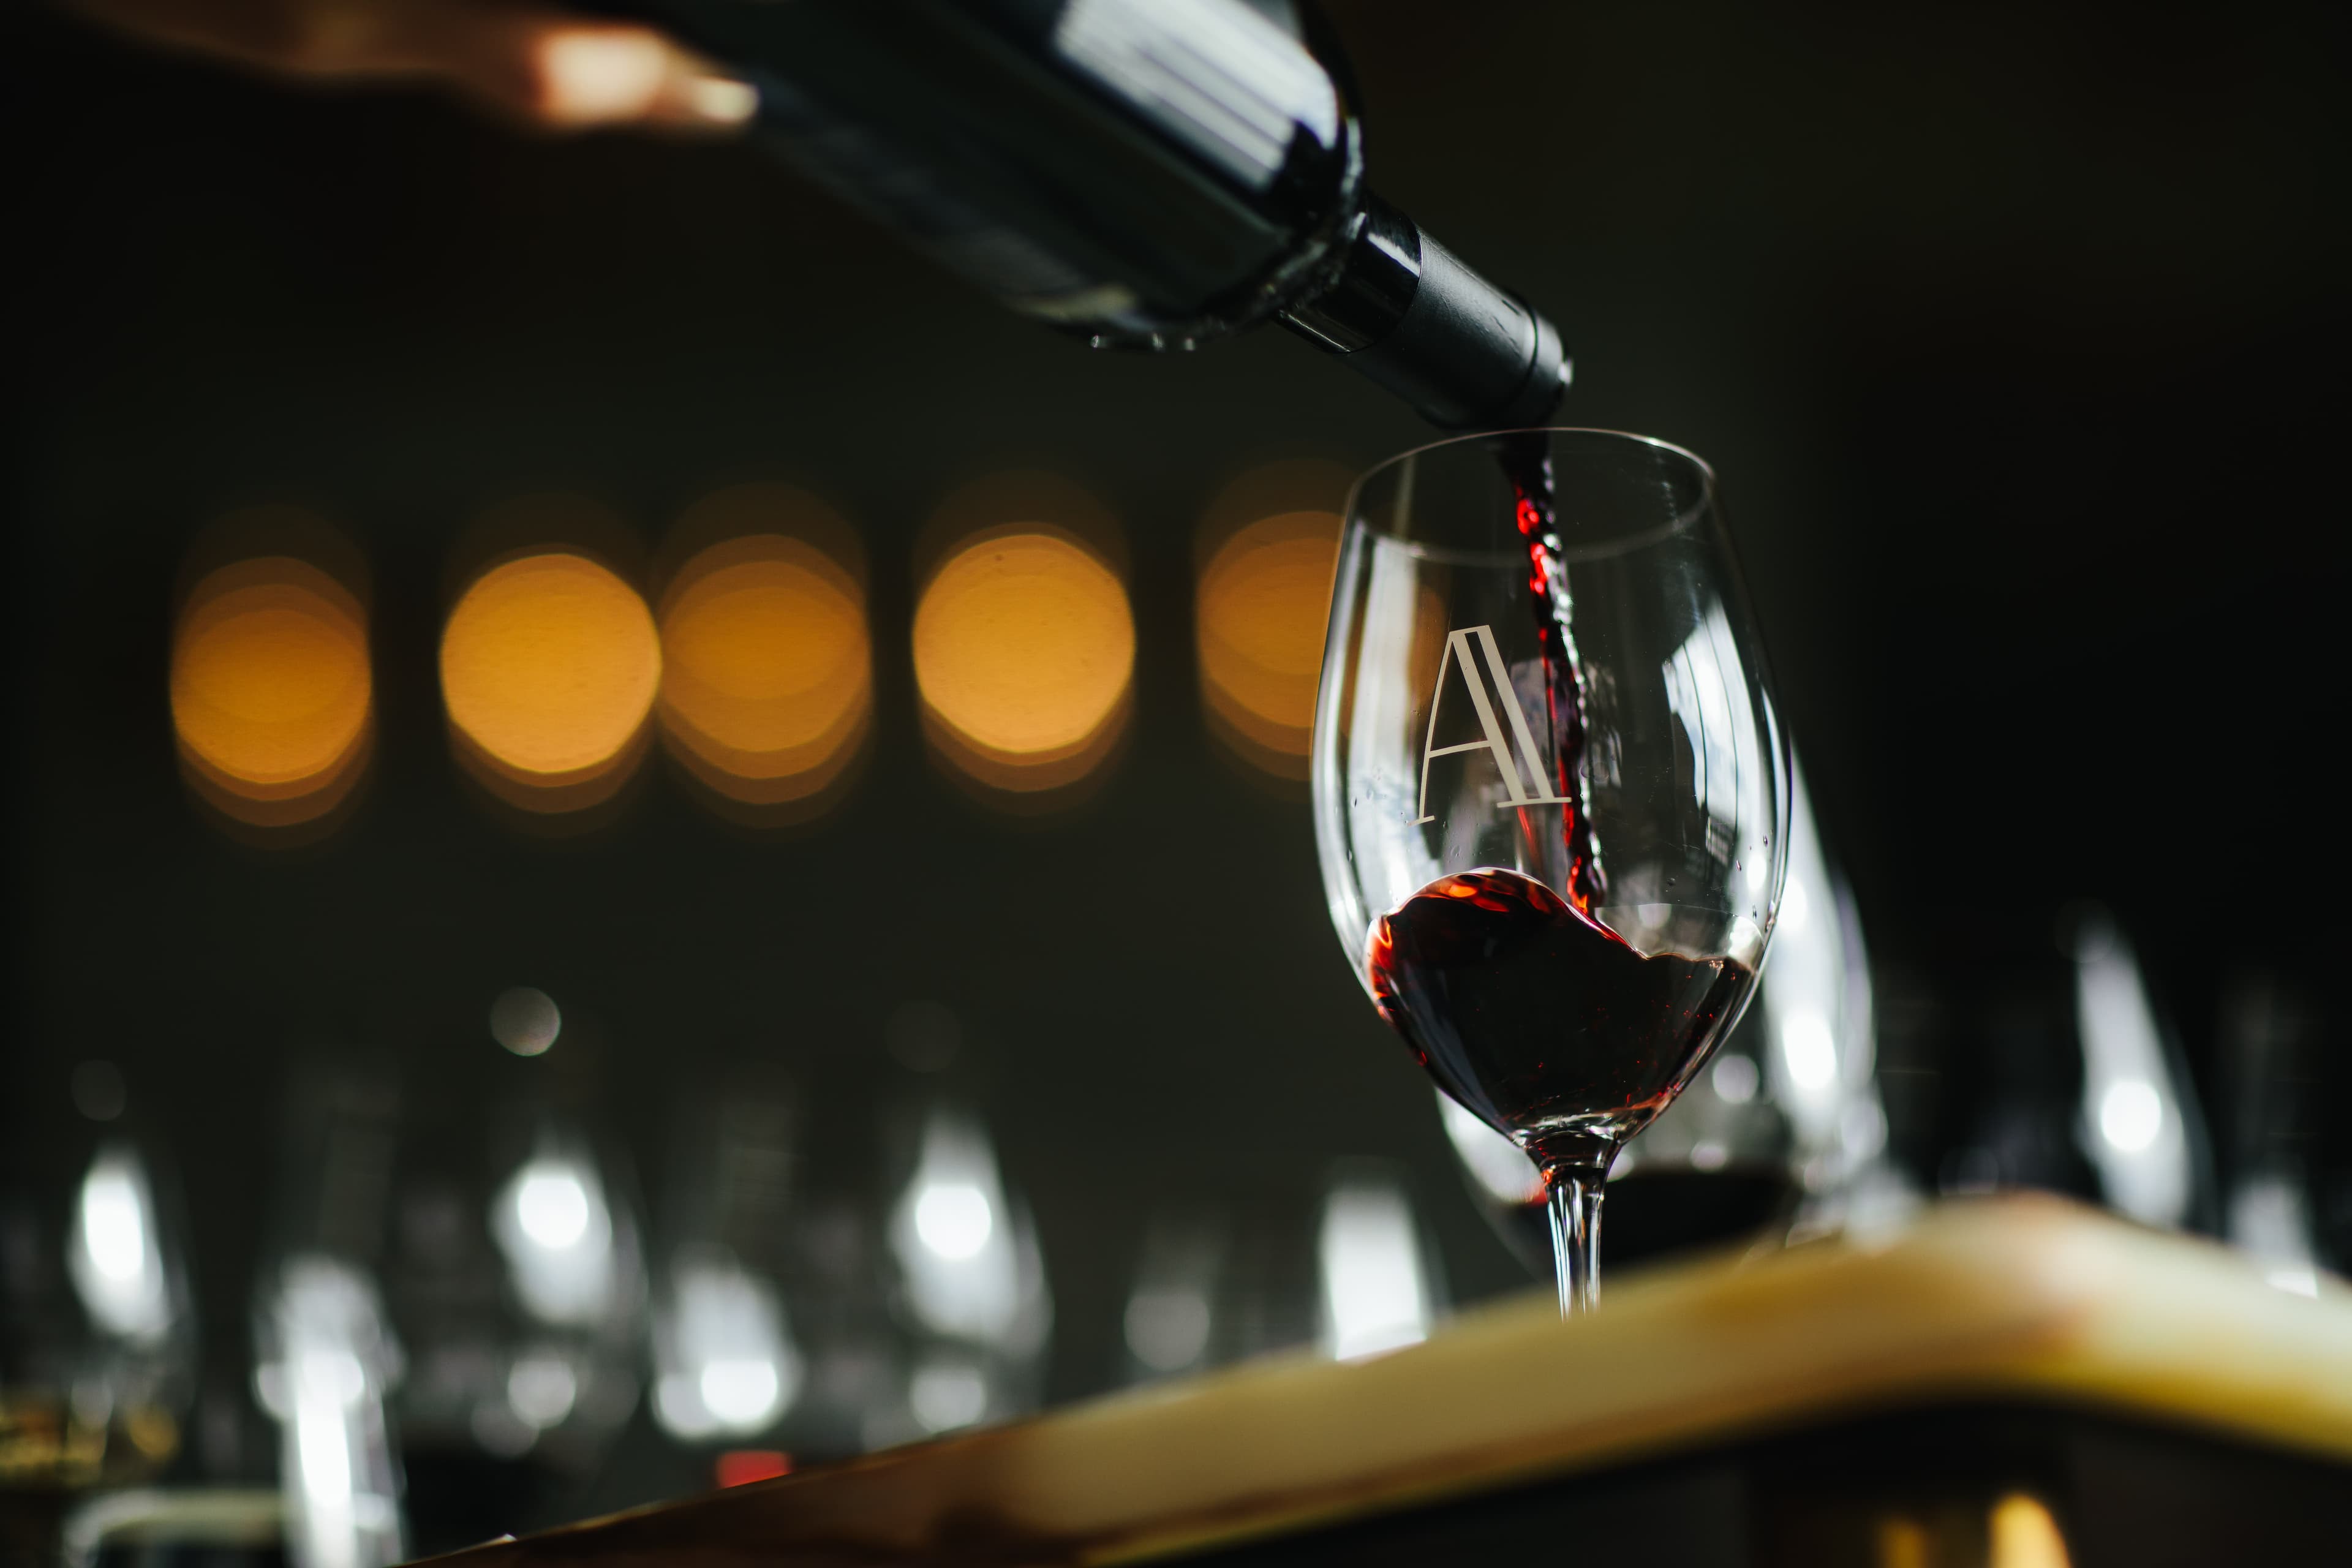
pixel 1494 1162
pixel 955 1219
pixel 2131 1114
pixel 525 1020
pixel 1168 1328
pixel 740 1393
pixel 551 1206
pixel 1734 1077
pixel 555 1226
pixel 2134 1117
pixel 1808 1049
pixel 969 1259
pixel 1376 1294
pixel 723 1352
pixel 115 1261
pixel 541 1389
pixel 947 1397
pixel 327 1361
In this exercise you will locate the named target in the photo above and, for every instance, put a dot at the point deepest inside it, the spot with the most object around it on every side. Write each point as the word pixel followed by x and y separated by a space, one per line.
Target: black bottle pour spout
pixel 1139 172
pixel 1404 310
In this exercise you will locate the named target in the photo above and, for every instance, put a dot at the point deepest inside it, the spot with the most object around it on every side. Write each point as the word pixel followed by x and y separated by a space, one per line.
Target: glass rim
pixel 1592 551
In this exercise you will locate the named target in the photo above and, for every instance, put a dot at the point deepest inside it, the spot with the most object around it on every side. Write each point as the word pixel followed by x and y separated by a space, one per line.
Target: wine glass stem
pixel 1573 1197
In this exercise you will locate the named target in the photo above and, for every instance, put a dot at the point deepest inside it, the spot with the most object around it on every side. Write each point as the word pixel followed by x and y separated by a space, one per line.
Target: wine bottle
pixel 1149 173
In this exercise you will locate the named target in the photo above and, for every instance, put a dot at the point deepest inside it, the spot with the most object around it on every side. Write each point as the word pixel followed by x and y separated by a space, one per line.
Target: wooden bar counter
pixel 2015 1382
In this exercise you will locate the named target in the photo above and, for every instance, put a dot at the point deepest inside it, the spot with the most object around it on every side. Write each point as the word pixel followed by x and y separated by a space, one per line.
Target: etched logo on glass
pixel 1459 653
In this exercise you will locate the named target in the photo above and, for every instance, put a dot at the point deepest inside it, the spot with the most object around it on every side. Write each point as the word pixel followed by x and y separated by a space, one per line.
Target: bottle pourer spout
pixel 1404 311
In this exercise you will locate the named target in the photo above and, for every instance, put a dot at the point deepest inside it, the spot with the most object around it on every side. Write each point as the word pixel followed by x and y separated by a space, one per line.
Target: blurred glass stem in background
pixel 1380 1288
pixel 326 1361
pixel 326 1358
pixel 2268 1083
pixel 2138 1123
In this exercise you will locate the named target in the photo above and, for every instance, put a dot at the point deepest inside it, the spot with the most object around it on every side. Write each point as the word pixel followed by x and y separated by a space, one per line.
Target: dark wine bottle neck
pixel 1406 312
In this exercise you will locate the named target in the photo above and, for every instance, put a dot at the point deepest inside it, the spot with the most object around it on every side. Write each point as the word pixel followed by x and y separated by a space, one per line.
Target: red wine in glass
pixel 1539 1018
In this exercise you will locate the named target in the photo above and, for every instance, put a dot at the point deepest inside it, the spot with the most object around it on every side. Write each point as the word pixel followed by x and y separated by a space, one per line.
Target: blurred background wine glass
pixel 1231 1271
pixel 2083 1087
pixel 516 1283
pixel 2269 1087
pixel 98 1332
pixel 728 1353
pixel 1345 1265
pixel 449 1327
pixel 971 1290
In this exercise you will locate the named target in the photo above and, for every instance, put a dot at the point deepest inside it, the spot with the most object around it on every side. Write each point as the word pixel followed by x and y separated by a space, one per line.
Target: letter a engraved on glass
pixel 1458 654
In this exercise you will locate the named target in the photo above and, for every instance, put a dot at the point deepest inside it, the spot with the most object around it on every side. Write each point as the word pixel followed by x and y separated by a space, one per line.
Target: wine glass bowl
pixel 1550 791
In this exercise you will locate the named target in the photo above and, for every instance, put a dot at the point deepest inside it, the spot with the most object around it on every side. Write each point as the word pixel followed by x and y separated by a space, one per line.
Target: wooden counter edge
pixel 2025 1298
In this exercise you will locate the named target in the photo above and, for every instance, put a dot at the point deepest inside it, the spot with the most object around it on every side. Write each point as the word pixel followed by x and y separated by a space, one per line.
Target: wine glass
pixel 973 1297
pixel 730 1362
pixel 1550 789
pixel 2082 1085
pixel 1343 1262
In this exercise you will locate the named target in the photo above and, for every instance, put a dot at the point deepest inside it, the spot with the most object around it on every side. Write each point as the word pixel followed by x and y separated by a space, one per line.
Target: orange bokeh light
pixel 767 672
pixel 1024 651
pixel 549 668
pixel 272 694
pixel 1265 596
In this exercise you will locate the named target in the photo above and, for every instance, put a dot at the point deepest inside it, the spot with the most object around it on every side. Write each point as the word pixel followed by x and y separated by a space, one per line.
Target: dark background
pixel 2017 333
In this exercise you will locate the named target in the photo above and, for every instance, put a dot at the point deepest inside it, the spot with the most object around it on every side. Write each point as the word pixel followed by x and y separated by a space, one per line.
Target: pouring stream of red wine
pixel 1515 996
pixel 1526 463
